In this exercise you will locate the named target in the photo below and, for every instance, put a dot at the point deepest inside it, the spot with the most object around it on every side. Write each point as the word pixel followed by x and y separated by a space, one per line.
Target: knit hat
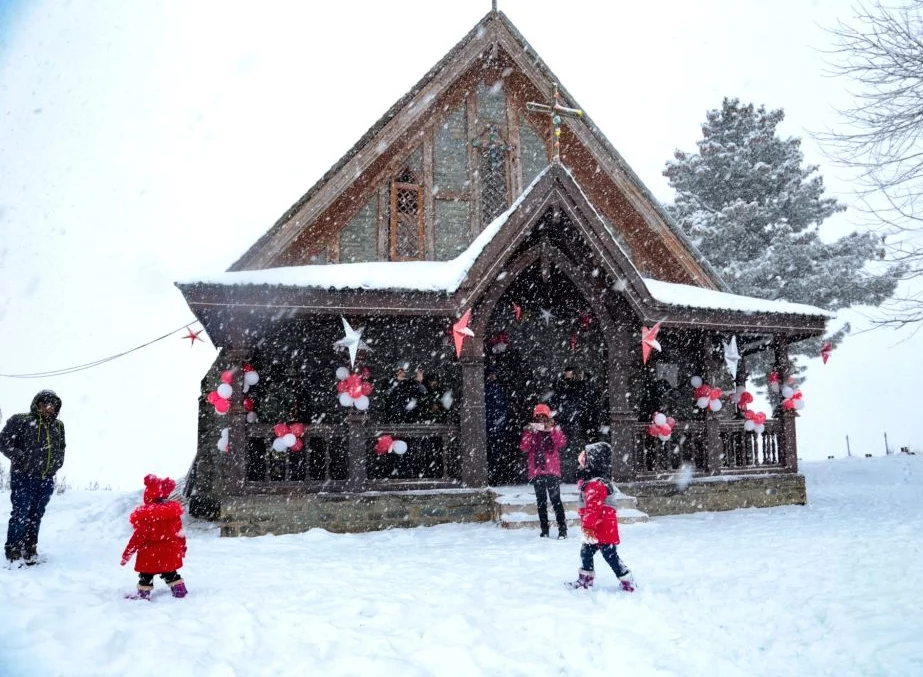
pixel 156 488
pixel 599 459
pixel 542 410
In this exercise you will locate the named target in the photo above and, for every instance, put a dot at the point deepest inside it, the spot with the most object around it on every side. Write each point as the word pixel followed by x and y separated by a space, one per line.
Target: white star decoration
pixel 352 341
pixel 731 356
pixel 547 316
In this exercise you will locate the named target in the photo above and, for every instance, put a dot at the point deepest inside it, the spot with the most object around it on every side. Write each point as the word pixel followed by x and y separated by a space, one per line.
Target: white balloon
pixel 399 447
pixel 660 419
pixel 251 378
pixel 251 417
pixel 225 432
pixel 361 402
pixel 342 373
pixel 715 405
pixel 749 425
pixel 225 391
pixel 289 439
pixel 760 428
pixel 696 381
pixel 346 400
pixel 223 444
pixel 447 400
pixel 799 404
pixel 278 444
pixel 702 402
pixel 663 438
pixel 787 392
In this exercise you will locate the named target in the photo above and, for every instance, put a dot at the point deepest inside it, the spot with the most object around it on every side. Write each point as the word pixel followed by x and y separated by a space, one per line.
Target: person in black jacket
pixel 34 443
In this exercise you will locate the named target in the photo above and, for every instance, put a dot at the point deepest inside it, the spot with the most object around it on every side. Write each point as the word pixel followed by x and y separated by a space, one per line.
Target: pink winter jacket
pixel 551 441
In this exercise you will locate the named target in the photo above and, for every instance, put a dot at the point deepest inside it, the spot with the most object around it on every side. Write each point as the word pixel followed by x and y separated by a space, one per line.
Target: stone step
pixel 523 520
pixel 515 507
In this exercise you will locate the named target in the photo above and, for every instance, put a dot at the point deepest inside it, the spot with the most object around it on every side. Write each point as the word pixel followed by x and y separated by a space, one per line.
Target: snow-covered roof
pixel 697 297
pixel 428 276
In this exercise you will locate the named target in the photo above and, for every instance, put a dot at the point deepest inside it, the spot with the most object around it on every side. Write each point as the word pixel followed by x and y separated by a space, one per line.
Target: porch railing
pixel 323 464
pixel 742 452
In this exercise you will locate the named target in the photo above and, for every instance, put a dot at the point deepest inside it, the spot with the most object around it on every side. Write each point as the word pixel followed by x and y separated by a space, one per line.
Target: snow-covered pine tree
pixel 753 211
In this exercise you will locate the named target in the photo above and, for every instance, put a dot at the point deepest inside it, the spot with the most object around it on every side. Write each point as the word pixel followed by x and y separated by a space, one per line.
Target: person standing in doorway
pixel 542 442
pixel 496 409
pixel 34 443
pixel 569 401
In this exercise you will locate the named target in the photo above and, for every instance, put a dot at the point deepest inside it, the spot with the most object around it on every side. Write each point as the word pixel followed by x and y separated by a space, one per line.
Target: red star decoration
pixel 517 311
pixel 649 341
pixel 825 352
pixel 193 336
pixel 460 330
pixel 573 341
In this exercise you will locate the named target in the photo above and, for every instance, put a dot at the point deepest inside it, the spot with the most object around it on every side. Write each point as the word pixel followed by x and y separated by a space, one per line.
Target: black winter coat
pixel 34 445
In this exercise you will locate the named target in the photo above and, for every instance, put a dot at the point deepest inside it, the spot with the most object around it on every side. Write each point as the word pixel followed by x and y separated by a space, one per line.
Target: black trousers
pixel 147 580
pixel 610 554
pixel 549 487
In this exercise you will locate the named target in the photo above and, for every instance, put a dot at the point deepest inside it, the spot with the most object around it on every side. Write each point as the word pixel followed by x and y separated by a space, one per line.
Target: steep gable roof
pixel 494 31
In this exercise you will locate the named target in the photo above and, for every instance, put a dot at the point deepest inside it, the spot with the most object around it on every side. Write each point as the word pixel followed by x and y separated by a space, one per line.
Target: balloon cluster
pixel 755 421
pixel 661 426
pixel 251 376
pixel 386 444
pixel 249 404
pixel 288 436
pixel 741 398
pixel 705 396
pixel 220 397
pixel 223 442
pixel 354 389
pixel 792 399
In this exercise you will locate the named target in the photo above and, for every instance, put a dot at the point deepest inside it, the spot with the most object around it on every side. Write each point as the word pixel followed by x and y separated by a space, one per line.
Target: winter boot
pixel 178 589
pixel 544 533
pixel 12 553
pixel 30 554
pixel 562 532
pixel 627 582
pixel 144 592
pixel 584 580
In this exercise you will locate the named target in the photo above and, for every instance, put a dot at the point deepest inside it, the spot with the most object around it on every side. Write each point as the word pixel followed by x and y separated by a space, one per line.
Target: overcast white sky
pixel 145 142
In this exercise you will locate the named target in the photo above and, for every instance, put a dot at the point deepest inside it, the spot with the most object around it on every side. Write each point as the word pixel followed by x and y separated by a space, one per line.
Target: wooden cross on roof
pixel 555 110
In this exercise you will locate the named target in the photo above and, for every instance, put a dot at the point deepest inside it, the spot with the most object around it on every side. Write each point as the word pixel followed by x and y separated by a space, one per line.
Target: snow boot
pixel 627 582
pixel 12 553
pixel 584 580
pixel 144 592
pixel 562 532
pixel 178 589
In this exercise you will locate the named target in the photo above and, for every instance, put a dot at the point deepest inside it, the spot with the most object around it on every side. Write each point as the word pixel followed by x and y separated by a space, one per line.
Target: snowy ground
pixel 834 588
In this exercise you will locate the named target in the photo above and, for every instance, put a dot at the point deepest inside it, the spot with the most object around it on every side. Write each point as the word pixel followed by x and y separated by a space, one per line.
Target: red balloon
pixel 248 366
pixel 342 386
pixel 671 422
pixel 297 429
pixel 789 404
pixel 715 394
pixel 222 405
pixel 355 392
pixel 227 377
pixel 298 446
pixel 653 430
pixel 749 414
pixel 280 429
pixel 212 396
pixel 383 445
pixel 248 404
pixel 759 418
pixel 703 390
pixel 367 388
pixel 664 430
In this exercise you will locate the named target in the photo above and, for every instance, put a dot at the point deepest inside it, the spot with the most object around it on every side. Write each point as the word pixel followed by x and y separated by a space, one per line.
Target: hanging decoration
pixel 825 352
pixel 249 407
pixel 547 316
pixel 731 356
pixel 354 389
pixel 223 441
pixel 221 396
pixel 741 398
pixel 573 341
pixel 288 436
pixel 193 336
pixel 251 376
pixel 792 400
pixel 585 320
pixel 387 444
pixel 352 341
pixel 499 342
pixel 517 312
pixel 649 341
pixel 460 330
pixel 755 421
pixel 705 396
pixel 661 426
pixel 773 381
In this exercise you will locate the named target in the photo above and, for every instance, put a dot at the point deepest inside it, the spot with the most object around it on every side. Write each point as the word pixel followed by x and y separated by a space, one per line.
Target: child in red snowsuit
pixel 598 519
pixel 158 539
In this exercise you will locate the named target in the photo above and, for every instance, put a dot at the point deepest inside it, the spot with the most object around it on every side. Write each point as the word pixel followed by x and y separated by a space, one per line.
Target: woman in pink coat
pixel 542 442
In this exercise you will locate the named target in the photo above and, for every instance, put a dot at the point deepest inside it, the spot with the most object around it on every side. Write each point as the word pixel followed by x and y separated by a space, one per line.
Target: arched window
pixel 407 230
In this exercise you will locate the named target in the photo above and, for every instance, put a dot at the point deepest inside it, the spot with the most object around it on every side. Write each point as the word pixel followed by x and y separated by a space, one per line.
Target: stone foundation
pixel 257 515
pixel 713 494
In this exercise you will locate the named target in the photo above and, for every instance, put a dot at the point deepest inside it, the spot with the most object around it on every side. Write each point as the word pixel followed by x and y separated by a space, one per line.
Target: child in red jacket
pixel 158 539
pixel 597 516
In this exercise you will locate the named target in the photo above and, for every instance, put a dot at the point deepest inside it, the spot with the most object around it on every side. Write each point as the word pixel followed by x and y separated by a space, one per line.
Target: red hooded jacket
pixel 597 519
pixel 543 451
pixel 159 538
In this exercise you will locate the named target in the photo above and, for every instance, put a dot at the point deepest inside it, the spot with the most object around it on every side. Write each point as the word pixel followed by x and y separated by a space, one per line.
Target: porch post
pixel 355 450
pixel 787 438
pixel 713 448
pixel 473 433
pixel 236 465
pixel 623 412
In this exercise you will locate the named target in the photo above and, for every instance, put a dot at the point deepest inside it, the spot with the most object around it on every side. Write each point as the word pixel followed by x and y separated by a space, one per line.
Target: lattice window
pixel 494 188
pixel 407 233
